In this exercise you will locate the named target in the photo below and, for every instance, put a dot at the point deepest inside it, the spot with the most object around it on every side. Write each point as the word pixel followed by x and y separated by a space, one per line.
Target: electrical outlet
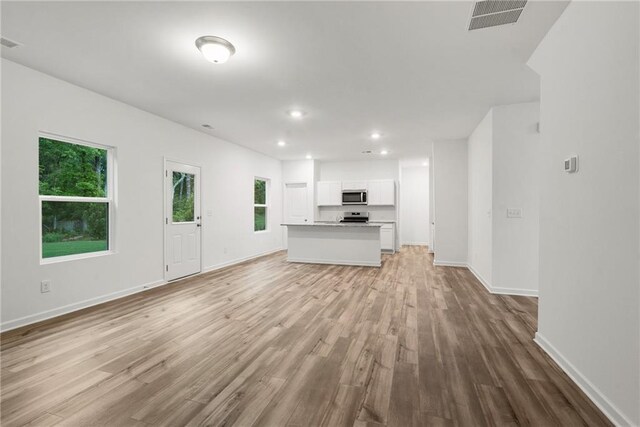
pixel 514 213
pixel 45 286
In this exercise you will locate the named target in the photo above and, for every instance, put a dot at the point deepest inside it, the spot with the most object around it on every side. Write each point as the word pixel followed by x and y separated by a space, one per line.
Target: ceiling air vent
pixel 491 13
pixel 8 43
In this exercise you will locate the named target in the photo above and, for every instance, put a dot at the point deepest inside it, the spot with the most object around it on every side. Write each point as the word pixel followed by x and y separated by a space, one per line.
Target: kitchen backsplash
pixel 379 213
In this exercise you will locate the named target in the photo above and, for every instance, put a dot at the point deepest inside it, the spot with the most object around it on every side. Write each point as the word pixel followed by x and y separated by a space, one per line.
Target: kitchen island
pixel 334 243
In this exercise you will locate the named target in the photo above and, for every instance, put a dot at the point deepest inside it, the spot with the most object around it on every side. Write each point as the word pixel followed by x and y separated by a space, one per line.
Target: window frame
pixel 110 200
pixel 267 198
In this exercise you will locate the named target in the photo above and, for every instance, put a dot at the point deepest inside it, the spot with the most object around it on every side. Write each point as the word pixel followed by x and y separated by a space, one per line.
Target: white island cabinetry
pixel 334 243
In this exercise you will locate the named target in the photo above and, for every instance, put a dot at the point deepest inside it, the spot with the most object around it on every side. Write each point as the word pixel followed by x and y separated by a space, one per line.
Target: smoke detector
pixel 492 13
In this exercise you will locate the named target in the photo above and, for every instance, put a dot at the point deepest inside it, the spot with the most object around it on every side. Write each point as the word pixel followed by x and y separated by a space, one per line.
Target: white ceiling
pixel 408 69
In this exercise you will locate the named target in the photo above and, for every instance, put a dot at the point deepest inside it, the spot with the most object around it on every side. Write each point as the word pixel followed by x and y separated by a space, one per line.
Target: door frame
pixel 165 213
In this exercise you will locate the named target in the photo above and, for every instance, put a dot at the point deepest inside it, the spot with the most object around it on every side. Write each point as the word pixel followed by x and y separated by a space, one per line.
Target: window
pixel 183 196
pixel 75 198
pixel 260 204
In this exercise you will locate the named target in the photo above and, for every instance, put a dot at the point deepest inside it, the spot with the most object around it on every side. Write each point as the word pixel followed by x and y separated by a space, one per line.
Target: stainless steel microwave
pixel 354 197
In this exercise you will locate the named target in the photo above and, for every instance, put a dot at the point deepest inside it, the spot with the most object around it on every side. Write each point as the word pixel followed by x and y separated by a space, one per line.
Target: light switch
pixel 514 212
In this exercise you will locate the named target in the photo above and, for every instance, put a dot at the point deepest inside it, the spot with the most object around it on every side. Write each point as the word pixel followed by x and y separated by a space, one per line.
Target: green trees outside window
pixel 74 198
pixel 183 196
pixel 259 204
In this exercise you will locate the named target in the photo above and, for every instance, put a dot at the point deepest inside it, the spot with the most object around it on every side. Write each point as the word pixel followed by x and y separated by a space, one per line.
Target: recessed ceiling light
pixel 384 152
pixel 215 49
pixel 376 135
pixel 308 157
pixel 281 143
pixel 296 114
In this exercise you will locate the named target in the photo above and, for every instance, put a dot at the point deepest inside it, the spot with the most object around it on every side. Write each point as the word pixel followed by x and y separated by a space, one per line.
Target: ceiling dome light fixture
pixel 384 152
pixel 281 143
pixel 215 49
pixel 308 157
pixel 296 114
pixel 375 135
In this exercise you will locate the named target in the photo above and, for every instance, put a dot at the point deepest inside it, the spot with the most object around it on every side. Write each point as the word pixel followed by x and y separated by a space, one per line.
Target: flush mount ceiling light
pixel 281 143
pixel 215 49
pixel 308 157
pixel 296 114
pixel 384 152
pixel 375 135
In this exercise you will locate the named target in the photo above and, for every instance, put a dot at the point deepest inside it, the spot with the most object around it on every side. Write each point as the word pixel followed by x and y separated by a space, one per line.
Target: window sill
pixel 262 231
pixel 58 259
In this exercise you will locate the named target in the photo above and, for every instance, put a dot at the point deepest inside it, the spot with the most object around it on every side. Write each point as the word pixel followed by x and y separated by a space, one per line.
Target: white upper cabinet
pixel 354 185
pixel 382 192
pixel 329 193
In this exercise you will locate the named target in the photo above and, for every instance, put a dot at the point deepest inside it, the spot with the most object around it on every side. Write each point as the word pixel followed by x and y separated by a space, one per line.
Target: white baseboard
pixel 501 291
pixel 596 396
pixel 439 263
pixel 239 260
pixel 481 279
pixel 49 314
pixel 414 244
pixel 338 262
pixel 515 291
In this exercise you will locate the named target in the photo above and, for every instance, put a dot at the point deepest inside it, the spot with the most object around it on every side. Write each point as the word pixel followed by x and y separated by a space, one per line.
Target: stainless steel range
pixel 361 217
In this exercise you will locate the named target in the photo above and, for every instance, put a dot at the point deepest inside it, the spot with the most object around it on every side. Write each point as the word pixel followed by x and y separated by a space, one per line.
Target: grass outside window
pixel 75 199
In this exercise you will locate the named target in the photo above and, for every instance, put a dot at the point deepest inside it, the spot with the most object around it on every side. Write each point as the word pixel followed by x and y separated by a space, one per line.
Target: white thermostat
pixel 571 164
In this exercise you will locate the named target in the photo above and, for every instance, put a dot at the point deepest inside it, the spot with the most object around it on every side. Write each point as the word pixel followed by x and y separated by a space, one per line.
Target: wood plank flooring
pixel 276 344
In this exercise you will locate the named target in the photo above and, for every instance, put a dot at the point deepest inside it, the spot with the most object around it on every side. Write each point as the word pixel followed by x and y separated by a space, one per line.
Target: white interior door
pixel 296 203
pixel 182 220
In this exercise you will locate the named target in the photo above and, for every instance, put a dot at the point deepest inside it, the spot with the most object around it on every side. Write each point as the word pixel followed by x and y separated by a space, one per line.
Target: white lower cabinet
pixel 387 237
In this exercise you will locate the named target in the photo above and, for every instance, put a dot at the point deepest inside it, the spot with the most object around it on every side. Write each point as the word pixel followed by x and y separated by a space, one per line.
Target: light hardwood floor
pixel 274 344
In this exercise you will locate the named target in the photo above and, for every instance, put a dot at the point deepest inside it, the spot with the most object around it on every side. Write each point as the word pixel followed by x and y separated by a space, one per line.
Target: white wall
pixel 34 102
pixel 414 205
pixel 359 170
pixel 450 202
pixel 481 199
pixel 516 178
pixel 504 174
pixel 589 221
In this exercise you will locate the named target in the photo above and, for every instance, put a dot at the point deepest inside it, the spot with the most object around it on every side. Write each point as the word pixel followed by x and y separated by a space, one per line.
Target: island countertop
pixel 334 224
